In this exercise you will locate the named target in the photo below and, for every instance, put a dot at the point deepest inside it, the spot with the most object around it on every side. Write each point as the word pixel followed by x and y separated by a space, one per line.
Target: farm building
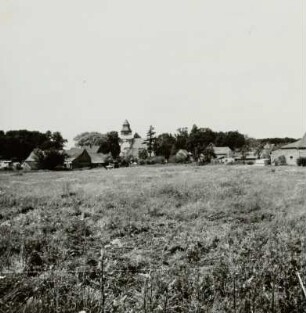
pixel 77 158
pixel 98 158
pixel 292 152
pixel 222 152
pixel 30 163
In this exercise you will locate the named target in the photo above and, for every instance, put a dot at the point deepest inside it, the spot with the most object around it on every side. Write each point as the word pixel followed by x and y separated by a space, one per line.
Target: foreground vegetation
pixel 153 239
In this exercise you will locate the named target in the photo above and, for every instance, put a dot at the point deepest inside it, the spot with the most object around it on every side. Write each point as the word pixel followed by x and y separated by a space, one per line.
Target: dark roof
pixel 299 144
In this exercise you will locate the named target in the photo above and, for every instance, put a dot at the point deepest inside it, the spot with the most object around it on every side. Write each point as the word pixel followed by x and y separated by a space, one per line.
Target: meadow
pixel 154 239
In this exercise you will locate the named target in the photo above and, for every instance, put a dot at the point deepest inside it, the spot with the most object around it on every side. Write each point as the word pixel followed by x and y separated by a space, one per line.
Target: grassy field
pixel 153 239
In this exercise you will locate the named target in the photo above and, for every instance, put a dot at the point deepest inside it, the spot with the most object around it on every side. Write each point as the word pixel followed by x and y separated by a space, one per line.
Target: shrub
pixel 50 159
pixel 142 162
pixel 301 161
pixel 281 160
pixel 124 163
pixel 156 160
pixel 181 156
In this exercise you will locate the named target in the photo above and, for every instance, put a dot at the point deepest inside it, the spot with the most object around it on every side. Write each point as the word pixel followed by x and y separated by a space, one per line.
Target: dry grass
pixel 173 239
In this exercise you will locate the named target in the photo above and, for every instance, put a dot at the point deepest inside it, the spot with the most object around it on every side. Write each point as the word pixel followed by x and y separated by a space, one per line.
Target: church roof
pixel 126 129
pixel 99 158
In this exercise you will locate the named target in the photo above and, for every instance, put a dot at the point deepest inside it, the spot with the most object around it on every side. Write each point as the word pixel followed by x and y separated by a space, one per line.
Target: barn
pixel 98 158
pixel 222 152
pixel 77 158
pixel 292 152
pixel 30 163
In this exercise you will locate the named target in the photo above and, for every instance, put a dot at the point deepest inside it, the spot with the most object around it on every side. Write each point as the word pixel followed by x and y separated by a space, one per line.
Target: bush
pixel 301 161
pixel 50 159
pixel 156 160
pixel 124 163
pixel 281 160
pixel 142 162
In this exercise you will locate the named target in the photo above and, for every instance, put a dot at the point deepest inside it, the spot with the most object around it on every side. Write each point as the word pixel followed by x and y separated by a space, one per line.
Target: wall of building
pixel 291 155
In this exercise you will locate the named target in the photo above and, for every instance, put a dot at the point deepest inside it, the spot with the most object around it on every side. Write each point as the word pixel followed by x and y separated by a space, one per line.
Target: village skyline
pixel 235 71
pixel 71 142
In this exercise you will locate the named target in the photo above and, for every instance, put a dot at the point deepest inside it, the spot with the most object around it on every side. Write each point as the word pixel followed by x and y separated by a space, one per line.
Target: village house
pixel 223 154
pixel 291 152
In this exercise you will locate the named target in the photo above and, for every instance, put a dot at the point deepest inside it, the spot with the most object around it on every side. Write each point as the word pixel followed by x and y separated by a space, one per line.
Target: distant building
pixel 6 164
pixel 291 152
pixel 31 163
pixel 98 158
pixel 131 144
pixel 222 152
pixel 77 158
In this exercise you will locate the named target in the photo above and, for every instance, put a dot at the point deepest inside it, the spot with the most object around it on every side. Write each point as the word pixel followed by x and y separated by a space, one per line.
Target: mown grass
pixel 153 239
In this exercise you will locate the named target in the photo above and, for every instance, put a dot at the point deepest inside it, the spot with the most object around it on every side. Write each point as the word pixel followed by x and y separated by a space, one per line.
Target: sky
pixel 77 65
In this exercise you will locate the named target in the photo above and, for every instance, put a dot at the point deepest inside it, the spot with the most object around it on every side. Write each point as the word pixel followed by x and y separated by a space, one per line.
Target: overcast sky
pixel 79 65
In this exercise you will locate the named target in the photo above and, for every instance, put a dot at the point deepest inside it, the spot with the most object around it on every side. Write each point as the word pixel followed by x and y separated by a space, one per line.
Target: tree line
pixel 16 145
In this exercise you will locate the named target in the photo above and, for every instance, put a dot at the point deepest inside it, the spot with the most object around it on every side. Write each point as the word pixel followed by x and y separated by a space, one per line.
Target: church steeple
pixel 126 129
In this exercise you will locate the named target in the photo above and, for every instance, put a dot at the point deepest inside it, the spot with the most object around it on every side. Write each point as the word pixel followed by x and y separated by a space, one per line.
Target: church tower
pixel 126 132
pixel 126 137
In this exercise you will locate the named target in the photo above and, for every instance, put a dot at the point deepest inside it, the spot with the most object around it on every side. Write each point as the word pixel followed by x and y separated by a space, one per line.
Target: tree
pixel 244 151
pixel 18 144
pixel 143 154
pixel 209 153
pixel 150 141
pixel 164 145
pixel 109 143
pixel 181 138
pixel 235 140
pixel 49 159
pixel 199 139
pixel 113 143
pixel 89 139
pixel 53 141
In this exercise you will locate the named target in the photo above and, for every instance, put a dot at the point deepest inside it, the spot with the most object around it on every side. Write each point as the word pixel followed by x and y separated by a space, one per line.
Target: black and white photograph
pixel 152 156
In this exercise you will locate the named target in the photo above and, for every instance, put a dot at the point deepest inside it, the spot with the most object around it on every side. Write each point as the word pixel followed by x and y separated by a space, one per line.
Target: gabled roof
pixel 74 152
pixel 299 144
pixel 222 150
pixel 32 157
pixel 99 158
